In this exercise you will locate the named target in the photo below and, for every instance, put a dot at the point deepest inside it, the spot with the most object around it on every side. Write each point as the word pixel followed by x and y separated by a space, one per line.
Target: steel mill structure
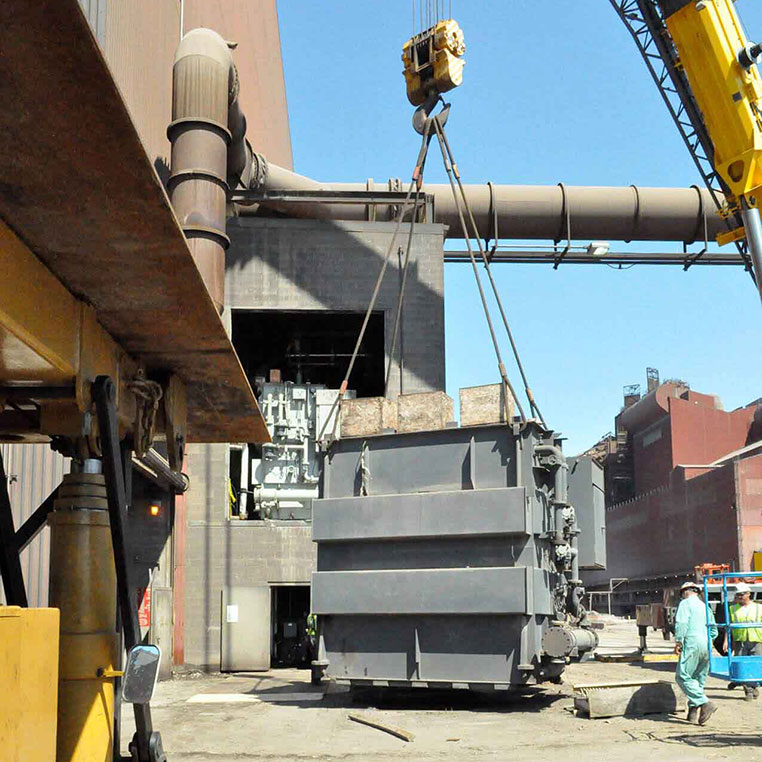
pixel 222 384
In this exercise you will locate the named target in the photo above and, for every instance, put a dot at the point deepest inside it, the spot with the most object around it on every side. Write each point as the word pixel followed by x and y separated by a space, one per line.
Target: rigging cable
pixel 507 386
pixel 398 315
pixel 527 389
pixel 416 182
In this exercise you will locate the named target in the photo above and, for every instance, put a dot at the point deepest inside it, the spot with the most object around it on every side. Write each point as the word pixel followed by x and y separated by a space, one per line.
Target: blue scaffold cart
pixel 737 669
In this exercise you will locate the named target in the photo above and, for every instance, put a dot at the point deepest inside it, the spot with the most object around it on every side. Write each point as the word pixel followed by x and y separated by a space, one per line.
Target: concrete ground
pixel 279 715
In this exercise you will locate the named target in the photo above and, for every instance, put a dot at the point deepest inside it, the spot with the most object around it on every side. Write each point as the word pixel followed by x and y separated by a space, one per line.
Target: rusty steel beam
pixel 80 192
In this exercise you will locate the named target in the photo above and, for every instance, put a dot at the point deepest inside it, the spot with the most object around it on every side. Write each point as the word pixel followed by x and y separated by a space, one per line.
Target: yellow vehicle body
pixel 28 684
pixel 433 60
pixel 709 36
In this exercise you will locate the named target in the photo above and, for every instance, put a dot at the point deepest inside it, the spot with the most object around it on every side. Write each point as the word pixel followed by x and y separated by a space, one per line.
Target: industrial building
pixel 295 291
pixel 171 429
pixel 682 480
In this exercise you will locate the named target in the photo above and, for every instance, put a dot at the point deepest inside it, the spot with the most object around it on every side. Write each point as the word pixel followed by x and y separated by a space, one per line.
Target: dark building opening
pixel 290 642
pixel 311 347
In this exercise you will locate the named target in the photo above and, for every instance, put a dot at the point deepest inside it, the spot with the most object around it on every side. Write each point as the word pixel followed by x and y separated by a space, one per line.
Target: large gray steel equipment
pixel 448 558
pixel 279 480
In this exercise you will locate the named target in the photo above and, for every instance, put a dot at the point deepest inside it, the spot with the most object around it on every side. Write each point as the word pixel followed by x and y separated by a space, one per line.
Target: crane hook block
pixel 433 60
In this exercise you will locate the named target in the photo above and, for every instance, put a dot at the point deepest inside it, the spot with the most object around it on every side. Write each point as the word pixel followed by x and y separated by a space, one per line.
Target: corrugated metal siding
pixel 95 10
pixel 254 26
pixel 672 528
pixel 748 506
pixel 140 41
pixel 33 471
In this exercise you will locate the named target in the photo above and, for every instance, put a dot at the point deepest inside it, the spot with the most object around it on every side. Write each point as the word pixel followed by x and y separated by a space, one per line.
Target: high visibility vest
pixel 750 613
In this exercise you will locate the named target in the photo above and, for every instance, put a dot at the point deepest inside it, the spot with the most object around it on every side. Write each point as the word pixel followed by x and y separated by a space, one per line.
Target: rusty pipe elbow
pixel 205 83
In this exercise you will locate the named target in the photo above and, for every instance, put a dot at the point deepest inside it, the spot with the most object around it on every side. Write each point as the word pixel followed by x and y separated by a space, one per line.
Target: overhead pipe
pixel 210 152
pixel 515 212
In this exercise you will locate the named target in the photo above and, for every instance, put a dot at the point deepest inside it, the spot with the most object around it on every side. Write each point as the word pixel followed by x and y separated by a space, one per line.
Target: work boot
pixel 693 713
pixel 748 694
pixel 706 711
pixel 755 692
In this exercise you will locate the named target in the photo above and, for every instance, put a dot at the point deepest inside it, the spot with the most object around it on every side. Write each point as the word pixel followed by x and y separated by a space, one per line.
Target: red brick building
pixel 683 487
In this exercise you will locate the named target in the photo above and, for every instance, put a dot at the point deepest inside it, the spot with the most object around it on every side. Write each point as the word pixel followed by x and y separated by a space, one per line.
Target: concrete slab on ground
pixel 285 722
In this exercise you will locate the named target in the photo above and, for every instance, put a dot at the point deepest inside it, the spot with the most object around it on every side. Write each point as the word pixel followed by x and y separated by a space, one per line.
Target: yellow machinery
pixel 720 65
pixel 83 587
pixel 433 61
pixel 28 683
pixel 109 342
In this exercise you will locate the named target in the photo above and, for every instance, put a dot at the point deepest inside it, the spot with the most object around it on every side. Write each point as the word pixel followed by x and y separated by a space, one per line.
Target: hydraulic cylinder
pixel 83 587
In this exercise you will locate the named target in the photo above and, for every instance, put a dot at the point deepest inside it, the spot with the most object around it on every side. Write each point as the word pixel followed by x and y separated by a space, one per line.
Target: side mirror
pixel 140 674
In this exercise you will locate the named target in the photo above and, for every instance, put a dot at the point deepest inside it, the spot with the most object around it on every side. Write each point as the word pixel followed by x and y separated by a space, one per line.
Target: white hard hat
pixel 742 587
pixel 690 586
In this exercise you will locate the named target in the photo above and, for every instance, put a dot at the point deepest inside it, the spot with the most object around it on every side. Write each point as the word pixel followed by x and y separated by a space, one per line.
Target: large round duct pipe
pixel 209 149
pixel 537 212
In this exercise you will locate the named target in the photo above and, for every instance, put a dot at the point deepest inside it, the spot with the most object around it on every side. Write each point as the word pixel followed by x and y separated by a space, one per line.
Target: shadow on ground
pixel 655 666
pixel 714 740
pixel 419 699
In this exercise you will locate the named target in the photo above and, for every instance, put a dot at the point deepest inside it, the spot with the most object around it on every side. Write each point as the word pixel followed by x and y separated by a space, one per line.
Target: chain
pixel 147 395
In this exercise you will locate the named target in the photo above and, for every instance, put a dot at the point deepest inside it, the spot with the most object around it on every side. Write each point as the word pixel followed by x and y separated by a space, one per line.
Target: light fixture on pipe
pixel 598 248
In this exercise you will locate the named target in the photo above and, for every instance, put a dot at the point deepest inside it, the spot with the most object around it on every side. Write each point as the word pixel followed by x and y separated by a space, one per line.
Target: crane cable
pixel 449 160
pixel 416 182
pixel 398 314
pixel 432 14
pixel 507 386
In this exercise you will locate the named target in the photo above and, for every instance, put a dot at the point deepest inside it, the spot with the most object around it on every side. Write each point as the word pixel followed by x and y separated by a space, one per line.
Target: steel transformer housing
pixel 435 559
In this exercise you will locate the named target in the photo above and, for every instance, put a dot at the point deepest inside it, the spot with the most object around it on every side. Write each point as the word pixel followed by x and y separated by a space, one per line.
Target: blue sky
pixel 554 91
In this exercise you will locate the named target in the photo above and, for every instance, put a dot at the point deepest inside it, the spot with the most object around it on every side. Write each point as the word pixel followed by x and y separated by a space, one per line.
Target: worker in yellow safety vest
pixel 747 641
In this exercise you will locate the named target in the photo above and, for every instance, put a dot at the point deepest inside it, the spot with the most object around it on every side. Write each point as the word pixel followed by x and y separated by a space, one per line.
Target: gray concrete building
pixel 296 294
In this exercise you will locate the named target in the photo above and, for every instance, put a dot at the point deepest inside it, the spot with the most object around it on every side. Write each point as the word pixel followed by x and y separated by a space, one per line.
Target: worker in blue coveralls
pixel 692 647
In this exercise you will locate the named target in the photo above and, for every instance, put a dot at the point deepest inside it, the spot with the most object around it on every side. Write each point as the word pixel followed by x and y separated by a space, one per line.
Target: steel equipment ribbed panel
pixel 435 563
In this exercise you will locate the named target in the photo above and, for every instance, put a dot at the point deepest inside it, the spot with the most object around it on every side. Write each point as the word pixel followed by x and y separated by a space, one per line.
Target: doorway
pixel 311 347
pixel 290 642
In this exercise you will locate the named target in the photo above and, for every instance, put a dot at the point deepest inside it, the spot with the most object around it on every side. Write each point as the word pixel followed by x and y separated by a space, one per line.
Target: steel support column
pixel 29 529
pixel 146 743
pixel 10 563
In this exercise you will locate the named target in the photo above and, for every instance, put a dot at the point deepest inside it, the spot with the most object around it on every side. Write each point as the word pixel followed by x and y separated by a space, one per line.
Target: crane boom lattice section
pixel 646 26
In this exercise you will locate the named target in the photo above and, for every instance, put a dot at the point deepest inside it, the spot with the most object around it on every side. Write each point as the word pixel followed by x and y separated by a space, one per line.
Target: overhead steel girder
pixel 51 349
pixel 613 259
pixel 100 221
